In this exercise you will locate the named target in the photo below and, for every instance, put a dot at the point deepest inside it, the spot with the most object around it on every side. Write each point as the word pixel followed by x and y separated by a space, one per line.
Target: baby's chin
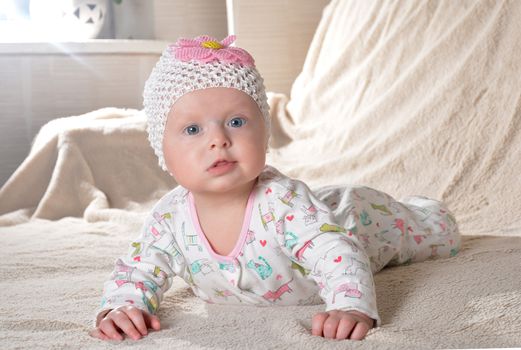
pixel 225 187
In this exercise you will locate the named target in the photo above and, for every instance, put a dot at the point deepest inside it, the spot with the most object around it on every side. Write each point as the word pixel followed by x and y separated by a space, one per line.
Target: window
pixel 14 20
pixel 50 20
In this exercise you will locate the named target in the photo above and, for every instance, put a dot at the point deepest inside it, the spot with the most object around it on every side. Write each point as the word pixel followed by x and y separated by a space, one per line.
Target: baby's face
pixel 215 140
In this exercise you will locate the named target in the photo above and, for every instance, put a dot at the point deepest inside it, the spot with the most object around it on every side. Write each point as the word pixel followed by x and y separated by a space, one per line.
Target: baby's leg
pixel 392 232
pixel 437 234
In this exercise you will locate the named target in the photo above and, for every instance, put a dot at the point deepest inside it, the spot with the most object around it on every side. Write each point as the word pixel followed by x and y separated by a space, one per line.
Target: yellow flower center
pixel 212 45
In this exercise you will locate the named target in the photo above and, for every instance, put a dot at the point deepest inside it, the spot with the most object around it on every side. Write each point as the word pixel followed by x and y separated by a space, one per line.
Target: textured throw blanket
pixel 409 97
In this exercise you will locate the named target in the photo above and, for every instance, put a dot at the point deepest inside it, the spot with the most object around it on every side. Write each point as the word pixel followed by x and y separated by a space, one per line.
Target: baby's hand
pixel 336 324
pixel 129 320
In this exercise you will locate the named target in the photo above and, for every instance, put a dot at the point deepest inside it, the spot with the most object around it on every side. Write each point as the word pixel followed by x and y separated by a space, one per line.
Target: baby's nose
pixel 219 139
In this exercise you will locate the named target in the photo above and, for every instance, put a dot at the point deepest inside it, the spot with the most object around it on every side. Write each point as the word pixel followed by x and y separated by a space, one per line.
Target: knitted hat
pixel 196 64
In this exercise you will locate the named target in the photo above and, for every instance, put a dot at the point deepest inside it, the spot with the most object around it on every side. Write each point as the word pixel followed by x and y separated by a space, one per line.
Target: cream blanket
pixel 410 97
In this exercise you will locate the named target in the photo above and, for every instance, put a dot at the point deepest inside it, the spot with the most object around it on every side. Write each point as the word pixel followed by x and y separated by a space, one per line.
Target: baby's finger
pixel 152 321
pixel 360 331
pixel 317 323
pixel 96 333
pixel 107 327
pixel 330 327
pixel 125 324
pixel 136 316
pixel 345 327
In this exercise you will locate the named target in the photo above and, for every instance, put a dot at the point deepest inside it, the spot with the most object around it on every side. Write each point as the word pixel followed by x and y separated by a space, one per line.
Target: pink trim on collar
pixel 242 236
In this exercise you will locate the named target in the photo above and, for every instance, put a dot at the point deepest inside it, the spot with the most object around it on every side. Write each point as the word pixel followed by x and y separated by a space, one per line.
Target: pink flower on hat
pixel 207 49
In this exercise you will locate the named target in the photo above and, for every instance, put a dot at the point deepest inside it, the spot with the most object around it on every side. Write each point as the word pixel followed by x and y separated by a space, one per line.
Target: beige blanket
pixel 410 97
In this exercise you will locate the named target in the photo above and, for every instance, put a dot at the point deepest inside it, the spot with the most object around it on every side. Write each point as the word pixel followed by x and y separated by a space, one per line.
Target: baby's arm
pixel 133 293
pixel 336 261
pixel 129 320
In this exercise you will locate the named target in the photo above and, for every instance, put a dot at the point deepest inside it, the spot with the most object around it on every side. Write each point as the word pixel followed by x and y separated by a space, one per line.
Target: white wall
pixel 40 82
pixel 277 33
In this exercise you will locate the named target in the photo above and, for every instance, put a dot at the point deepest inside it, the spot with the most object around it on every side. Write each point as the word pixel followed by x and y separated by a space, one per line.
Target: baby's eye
pixel 237 122
pixel 192 130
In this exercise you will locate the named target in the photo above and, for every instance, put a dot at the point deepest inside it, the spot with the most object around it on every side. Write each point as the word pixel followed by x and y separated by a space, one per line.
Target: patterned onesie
pixel 296 247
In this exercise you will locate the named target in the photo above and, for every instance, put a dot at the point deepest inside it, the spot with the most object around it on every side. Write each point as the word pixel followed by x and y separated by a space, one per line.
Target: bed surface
pixel 53 275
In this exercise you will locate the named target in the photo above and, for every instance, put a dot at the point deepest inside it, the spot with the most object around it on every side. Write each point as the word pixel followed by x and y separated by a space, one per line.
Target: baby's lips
pixel 220 162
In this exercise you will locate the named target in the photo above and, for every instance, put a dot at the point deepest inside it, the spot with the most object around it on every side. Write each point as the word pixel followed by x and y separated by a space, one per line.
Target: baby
pixel 239 231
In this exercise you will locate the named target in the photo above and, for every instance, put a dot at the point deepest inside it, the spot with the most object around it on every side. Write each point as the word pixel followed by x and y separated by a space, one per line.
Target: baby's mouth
pixel 221 162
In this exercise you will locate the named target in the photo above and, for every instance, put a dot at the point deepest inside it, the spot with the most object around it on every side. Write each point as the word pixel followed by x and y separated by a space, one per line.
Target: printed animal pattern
pixel 298 244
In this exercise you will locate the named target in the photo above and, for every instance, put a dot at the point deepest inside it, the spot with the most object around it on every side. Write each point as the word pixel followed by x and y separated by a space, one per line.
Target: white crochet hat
pixel 195 64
